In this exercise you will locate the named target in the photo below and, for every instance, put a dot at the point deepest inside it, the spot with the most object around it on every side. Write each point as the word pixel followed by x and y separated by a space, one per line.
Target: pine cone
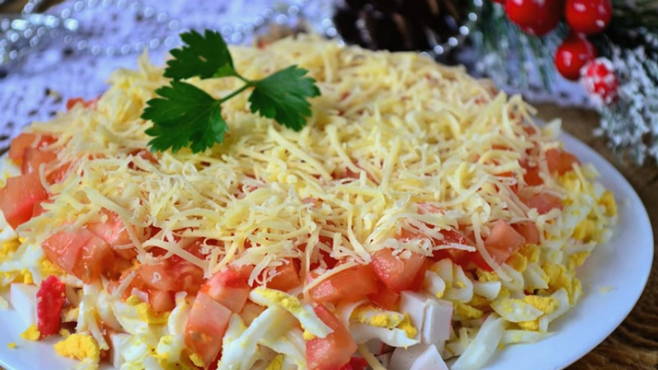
pixel 399 24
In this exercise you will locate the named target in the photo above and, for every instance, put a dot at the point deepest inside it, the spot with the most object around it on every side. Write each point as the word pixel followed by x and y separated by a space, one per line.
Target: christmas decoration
pixel 572 55
pixel 534 17
pixel 600 81
pixel 588 16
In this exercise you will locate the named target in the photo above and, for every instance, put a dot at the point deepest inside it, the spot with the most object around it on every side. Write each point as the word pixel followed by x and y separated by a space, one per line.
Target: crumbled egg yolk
pixel 577 259
pixel 586 231
pixel 285 300
pixel 145 313
pixel 545 304
pixel 518 261
pixel 608 201
pixel 8 248
pixel 532 252
pixel 196 360
pixel 372 316
pixel 559 277
pixel 17 276
pixel 485 276
pixel 31 333
pixel 466 311
pixel 308 336
pixel 48 268
pixel 64 333
pixel 479 301
pixel 11 345
pixel 276 364
pixel 408 326
pixel 78 347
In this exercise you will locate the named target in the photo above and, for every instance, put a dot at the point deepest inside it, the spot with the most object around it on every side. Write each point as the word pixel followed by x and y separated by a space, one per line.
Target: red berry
pixel 588 16
pixel 536 17
pixel 572 55
pixel 50 300
pixel 600 81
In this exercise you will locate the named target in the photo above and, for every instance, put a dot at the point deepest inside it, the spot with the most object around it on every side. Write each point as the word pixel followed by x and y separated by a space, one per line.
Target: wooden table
pixel 634 345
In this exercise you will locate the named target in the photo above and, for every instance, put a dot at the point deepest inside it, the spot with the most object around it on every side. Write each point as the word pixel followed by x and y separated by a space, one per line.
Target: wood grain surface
pixel 634 345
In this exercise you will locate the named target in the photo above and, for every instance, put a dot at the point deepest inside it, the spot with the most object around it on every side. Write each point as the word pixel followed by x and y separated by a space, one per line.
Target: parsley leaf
pixel 204 56
pixel 282 97
pixel 184 115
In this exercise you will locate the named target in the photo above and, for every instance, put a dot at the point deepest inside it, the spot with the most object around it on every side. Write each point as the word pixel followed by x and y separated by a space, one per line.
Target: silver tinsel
pixel 631 123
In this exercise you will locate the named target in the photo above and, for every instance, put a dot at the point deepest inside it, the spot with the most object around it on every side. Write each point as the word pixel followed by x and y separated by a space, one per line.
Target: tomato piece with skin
pixel 114 232
pixel 20 196
pixel 350 285
pixel 287 277
pixel 205 327
pixel 503 241
pixel 396 272
pixel 542 202
pixel 529 231
pixel 333 351
pixel 385 298
pixel 161 301
pixel 79 252
pixel 27 140
pixel 560 161
pixel 34 158
pixel 229 287
pixel 531 175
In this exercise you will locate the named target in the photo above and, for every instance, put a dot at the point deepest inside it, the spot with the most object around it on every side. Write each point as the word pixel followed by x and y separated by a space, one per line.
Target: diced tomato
pixel 79 252
pixel 170 276
pixel 50 300
pixel 333 351
pixel 397 273
pixel 205 328
pixel 85 103
pixel 114 232
pixel 503 241
pixel 531 175
pixel 161 301
pixel 542 202
pixel 349 285
pixel 229 287
pixel 27 140
pixel 560 161
pixel 385 298
pixel 529 231
pixel 58 174
pixel 19 197
pixel 34 158
pixel 286 277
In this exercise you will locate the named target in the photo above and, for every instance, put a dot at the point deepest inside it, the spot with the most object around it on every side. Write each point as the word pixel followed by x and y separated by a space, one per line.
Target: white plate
pixel 622 265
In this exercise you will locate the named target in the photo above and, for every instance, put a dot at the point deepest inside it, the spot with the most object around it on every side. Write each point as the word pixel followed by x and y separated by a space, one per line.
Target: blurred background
pixel 591 63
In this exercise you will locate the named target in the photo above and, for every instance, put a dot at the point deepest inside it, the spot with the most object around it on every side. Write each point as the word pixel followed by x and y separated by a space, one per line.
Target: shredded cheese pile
pixel 389 132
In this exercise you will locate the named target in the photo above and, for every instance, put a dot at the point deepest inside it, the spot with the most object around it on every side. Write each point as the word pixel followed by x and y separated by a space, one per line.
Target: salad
pixel 419 220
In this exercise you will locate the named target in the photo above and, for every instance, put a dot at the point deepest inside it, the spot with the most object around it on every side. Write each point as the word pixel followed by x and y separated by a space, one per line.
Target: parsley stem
pixel 236 92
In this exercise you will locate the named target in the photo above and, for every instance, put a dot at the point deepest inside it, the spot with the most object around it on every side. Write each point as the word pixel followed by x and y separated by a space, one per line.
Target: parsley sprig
pixel 184 115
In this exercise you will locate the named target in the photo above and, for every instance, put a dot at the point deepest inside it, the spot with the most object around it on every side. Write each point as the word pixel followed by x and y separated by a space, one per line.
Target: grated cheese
pixel 390 131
